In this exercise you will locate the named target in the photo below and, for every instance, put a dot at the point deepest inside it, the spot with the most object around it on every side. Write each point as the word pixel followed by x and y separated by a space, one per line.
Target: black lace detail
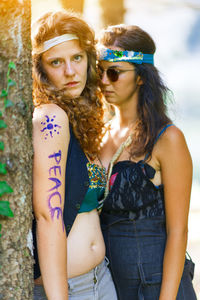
pixel 133 193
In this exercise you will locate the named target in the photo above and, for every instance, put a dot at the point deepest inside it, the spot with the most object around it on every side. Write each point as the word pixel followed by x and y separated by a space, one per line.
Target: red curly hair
pixel 86 112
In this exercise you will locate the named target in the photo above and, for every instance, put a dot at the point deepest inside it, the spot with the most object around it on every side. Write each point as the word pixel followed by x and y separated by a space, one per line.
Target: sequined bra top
pixel 95 192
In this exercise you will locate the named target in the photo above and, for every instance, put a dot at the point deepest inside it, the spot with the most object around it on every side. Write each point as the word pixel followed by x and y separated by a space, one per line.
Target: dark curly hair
pixel 152 110
pixel 85 112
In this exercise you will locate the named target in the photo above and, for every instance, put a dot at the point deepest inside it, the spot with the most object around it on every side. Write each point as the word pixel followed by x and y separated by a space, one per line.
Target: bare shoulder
pixel 50 124
pixel 172 136
pixel 172 144
pixel 49 110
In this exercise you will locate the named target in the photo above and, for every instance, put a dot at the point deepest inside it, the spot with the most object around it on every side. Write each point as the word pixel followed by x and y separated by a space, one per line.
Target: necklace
pixel 99 160
pixel 115 157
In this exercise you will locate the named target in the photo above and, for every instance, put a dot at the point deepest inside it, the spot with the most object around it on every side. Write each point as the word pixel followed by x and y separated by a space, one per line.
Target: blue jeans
pixel 135 250
pixel 97 284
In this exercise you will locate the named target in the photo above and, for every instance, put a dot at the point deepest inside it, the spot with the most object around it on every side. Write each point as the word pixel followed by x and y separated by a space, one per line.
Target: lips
pixel 107 93
pixel 71 84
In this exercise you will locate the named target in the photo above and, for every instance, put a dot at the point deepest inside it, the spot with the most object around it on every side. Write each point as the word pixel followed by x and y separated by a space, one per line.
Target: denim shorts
pixel 135 250
pixel 97 284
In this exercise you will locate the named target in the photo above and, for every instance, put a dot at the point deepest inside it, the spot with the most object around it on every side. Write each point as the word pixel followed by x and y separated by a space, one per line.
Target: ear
pixel 139 81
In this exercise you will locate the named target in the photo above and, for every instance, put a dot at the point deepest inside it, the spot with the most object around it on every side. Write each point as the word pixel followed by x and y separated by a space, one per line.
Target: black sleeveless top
pixel 76 181
pixel 132 193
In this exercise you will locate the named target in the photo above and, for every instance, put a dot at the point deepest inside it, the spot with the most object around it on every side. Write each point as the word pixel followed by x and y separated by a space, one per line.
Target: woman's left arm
pixel 176 170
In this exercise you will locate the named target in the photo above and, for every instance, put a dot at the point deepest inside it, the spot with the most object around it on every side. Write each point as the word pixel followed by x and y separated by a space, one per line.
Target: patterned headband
pixel 55 41
pixel 129 56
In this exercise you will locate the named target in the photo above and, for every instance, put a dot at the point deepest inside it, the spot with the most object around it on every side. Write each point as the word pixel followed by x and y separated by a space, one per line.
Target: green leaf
pixel 8 103
pixel 0 230
pixel 12 65
pixel 5 188
pixel 11 82
pixel 2 124
pixel 1 114
pixel 1 145
pixel 5 209
pixel 3 169
pixel 4 93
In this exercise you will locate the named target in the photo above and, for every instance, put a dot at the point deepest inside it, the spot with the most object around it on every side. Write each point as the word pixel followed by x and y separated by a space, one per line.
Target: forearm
pixel 173 265
pixel 52 250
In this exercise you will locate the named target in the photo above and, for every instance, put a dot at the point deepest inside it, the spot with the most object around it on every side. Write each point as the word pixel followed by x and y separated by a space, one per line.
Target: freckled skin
pixel 66 67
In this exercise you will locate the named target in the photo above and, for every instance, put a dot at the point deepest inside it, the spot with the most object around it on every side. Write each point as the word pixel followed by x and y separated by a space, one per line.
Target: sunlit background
pixel 175 26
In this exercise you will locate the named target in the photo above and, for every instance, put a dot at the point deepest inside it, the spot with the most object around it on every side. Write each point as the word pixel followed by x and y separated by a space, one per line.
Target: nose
pixel 104 78
pixel 69 69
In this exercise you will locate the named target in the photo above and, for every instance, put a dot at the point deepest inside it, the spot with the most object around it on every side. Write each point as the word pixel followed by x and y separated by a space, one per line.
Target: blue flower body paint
pixel 50 128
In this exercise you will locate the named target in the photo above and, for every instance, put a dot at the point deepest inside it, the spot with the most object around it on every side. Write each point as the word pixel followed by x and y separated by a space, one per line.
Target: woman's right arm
pixel 50 141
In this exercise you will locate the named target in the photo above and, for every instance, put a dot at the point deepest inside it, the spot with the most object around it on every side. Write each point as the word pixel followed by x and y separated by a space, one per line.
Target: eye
pixel 116 70
pixel 56 62
pixel 78 57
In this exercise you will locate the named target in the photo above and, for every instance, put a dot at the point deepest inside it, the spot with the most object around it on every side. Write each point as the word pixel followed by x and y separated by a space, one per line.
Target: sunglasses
pixel 111 73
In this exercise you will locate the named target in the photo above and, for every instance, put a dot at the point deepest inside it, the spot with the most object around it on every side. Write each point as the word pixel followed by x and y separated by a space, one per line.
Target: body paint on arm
pixel 50 128
pixel 55 195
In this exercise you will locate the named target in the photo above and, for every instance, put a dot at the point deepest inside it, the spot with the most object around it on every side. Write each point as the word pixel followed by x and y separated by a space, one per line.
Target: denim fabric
pixel 135 249
pixel 95 285
pixel 39 293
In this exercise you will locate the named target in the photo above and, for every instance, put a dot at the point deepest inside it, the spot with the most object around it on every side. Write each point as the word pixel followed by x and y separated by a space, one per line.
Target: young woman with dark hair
pixel 149 174
pixel 67 180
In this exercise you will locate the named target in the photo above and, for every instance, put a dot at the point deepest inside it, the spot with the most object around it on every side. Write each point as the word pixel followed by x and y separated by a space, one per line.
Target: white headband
pixel 55 41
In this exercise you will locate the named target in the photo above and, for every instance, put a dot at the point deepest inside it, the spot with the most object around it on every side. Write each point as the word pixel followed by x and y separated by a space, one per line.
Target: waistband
pixel 91 276
pixel 113 217
pixel 131 215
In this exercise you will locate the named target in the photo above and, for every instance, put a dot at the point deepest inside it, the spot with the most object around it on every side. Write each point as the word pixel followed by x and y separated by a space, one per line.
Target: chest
pixel 112 145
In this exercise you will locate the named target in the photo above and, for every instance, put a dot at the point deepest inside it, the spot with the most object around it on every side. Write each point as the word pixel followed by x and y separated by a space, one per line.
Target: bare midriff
pixel 85 245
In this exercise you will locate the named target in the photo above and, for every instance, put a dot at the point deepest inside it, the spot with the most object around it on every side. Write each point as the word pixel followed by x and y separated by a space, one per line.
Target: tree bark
pixel 75 5
pixel 112 12
pixel 16 261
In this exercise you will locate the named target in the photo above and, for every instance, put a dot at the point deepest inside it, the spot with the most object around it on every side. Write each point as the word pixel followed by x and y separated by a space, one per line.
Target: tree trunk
pixel 112 12
pixel 16 261
pixel 75 5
